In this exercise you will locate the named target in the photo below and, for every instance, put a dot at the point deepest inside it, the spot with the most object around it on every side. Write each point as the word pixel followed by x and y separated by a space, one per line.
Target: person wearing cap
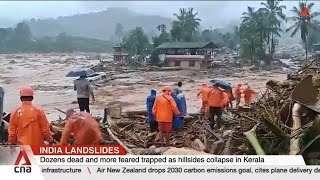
pixel 215 101
pixel 28 124
pixel 84 128
pixel 164 109
pixel 237 93
pixel 204 90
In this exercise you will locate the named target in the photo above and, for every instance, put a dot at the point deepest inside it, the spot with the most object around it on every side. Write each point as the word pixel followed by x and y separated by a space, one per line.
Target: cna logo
pixel 21 168
pixel 305 12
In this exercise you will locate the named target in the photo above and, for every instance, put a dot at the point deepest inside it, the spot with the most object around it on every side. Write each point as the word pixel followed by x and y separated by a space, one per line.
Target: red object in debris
pixel 305 12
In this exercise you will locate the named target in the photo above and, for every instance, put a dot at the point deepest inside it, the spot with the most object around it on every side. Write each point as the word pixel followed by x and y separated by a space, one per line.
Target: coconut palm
pixel 302 23
pixel 247 16
pixel 274 13
pixel 254 32
pixel 162 28
pixel 184 28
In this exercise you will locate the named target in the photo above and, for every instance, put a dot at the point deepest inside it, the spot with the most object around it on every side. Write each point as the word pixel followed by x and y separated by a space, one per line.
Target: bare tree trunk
pixel 272 45
pixel 306 48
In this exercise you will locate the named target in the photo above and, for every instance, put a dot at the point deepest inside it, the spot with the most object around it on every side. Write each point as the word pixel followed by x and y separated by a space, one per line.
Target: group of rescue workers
pixel 166 110
pixel 29 125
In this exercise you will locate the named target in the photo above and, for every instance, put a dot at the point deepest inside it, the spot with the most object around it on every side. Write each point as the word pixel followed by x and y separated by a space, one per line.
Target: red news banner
pixel 79 150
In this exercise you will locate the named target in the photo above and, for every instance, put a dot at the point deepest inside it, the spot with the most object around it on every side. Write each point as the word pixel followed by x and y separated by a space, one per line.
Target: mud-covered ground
pixel 46 72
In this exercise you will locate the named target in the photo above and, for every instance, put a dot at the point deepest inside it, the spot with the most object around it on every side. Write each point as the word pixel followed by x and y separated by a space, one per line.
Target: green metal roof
pixel 187 45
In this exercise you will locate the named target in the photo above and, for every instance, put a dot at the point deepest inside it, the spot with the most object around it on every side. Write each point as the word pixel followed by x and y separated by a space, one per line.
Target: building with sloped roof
pixel 187 55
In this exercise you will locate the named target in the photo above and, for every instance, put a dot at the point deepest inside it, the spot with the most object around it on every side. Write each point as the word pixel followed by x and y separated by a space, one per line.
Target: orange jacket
pixel 164 107
pixel 29 126
pixel 204 90
pixel 215 97
pixel 248 93
pixel 226 99
pixel 237 92
pixel 85 129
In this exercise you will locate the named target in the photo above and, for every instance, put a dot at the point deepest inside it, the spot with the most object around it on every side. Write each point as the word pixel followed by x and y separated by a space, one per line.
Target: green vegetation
pixel 306 25
pixel 184 29
pixel 259 29
pixel 20 39
pixel 257 35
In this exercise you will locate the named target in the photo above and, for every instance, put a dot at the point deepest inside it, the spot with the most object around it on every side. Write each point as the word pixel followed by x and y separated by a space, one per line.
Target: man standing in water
pixel 84 90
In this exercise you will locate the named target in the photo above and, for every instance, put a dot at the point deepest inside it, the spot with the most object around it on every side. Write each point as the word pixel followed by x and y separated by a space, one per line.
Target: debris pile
pixel 270 117
pixel 133 131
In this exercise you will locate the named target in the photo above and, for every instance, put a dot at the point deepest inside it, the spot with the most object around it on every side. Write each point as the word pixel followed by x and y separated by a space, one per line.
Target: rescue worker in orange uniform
pixel 164 109
pixel 28 124
pixel 237 93
pixel 215 102
pixel 84 128
pixel 204 90
pixel 227 99
pixel 248 94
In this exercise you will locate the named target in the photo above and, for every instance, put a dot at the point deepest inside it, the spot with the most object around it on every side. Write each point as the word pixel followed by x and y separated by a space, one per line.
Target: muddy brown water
pixel 46 72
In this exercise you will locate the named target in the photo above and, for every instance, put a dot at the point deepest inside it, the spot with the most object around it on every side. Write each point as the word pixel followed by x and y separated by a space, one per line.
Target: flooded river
pixel 46 72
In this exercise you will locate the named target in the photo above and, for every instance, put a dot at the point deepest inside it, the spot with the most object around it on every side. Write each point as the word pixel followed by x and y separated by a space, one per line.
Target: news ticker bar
pixel 115 155
pixel 165 170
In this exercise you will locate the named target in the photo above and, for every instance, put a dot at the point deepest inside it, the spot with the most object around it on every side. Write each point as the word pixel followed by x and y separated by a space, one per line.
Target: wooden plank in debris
pixel 213 133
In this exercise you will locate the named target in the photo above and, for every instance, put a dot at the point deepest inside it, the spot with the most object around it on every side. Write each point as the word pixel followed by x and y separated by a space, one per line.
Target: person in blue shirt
pixel 178 121
pixel 182 98
pixel 150 102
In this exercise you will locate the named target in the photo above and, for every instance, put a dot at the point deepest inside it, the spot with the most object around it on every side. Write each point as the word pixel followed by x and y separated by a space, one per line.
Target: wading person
pixel 215 100
pixel 237 93
pixel 164 109
pixel 204 90
pixel 84 90
pixel 28 124
pixel 84 128
pixel 248 95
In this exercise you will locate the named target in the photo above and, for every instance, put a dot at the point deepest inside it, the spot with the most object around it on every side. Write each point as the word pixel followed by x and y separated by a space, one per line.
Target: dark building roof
pixel 187 45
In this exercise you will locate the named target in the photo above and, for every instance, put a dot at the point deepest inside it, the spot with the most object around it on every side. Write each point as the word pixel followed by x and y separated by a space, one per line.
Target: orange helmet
pixel 26 91
pixel 166 88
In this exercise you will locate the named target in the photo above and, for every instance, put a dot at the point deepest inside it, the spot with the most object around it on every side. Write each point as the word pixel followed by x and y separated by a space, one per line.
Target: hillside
pixel 99 25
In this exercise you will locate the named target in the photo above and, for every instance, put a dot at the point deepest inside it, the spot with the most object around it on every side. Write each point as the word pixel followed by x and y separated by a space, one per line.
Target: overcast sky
pixel 212 13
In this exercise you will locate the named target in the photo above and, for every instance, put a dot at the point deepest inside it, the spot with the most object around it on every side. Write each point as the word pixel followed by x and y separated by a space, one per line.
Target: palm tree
pixel 254 32
pixel 250 33
pixel 274 13
pixel 184 28
pixel 247 16
pixel 302 23
pixel 162 28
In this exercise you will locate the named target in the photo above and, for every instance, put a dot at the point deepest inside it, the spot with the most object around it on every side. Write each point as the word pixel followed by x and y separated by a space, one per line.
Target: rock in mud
pixel 198 145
